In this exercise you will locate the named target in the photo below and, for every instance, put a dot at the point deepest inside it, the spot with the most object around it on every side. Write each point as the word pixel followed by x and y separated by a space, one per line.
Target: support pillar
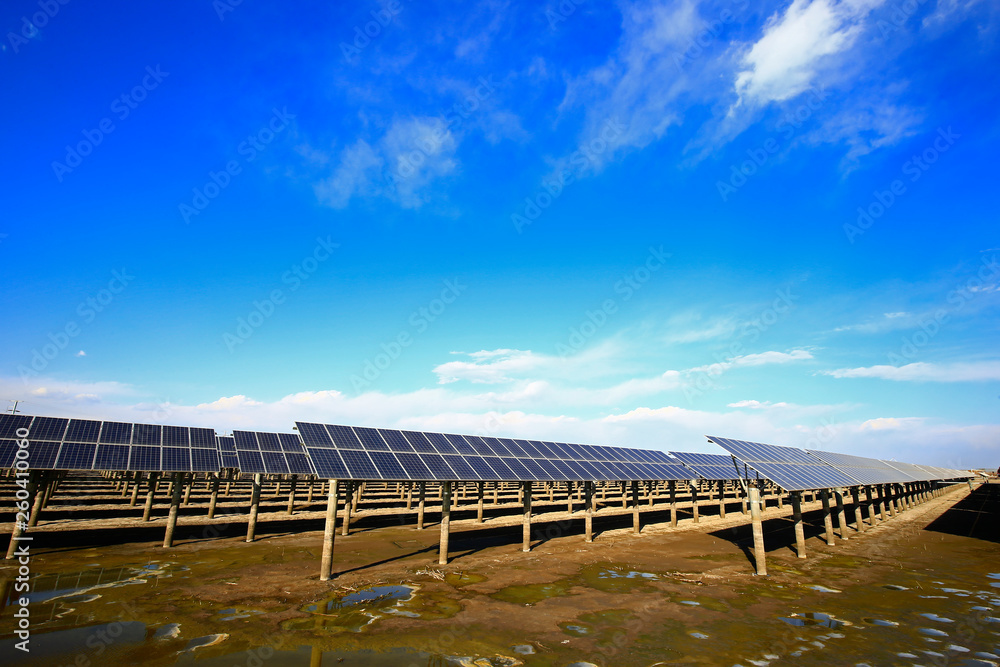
pixel 20 527
pixel 758 531
pixel 588 492
pixel 213 501
pixel 722 500
pixel 479 510
pixel 569 497
pixel 329 532
pixel 827 518
pixel 859 523
pixel 349 500
pixel 147 510
pixel 291 495
pixel 800 535
pixel 175 504
pixel 526 527
pixel 838 494
pixel 673 504
pixel 135 489
pixel 694 503
pixel 46 480
pixel 445 522
pixel 636 526
pixel 254 507
pixel 421 503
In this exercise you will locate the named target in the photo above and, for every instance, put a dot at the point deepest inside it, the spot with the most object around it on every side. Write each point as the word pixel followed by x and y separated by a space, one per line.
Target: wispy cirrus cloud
pixel 982 371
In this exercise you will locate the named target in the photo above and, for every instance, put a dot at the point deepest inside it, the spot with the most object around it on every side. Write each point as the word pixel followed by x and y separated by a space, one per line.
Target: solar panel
pixel 864 470
pixel 227 451
pixel 790 468
pixel 84 444
pixel 713 467
pixel 270 453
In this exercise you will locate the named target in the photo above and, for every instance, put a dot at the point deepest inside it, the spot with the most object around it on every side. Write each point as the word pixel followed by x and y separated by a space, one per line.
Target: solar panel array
pixel 84 444
pixel 861 469
pixel 790 468
pixel 796 469
pixel 713 467
pixel 345 452
pixel 271 453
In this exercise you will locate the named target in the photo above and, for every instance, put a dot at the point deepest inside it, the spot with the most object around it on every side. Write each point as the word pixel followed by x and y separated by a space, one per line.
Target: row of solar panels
pixel 345 452
pixel 796 469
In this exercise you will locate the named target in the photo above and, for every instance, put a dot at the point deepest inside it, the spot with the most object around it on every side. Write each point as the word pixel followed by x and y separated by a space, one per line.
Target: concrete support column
pixel 673 504
pixel 758 531
pixel 800 535
pixel 291 495
pixel 213 501
pixel 421 503
pixel 838 494
pixel 636 526
pixel 147 510
pixel 694 503
pixel 445 522
pixel 881 502
pixel 588 493
pixel 254 507
pixel 20 527
pixel 45 482
pixel 859 523
pixel 827 518
pixel 329 532
pixel 175 504
pixel 479 510
pixel 569 497
pixel 135 489
pixel 349 500
pixel 722 500
pixel 526 526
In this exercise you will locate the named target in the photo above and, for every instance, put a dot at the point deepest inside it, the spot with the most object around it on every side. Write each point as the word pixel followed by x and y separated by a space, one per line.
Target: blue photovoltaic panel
pixel 250 461
pixel 328 463
pixel 370 439
pixel 203 438
pixel 299 464
pixel 388 466
pixel 438 466
pixel 502 470
pixel 146 434
pixel 415 468
pixel 111 457
pixel 83 430
pixel 461 445
pixel 862 470
pixel 461 467
pixel 496 445
pixel 144 458
pixel 441 443
pixel 47 428
pixel 76 456
pixel 791 469
pixel 42 455
pixel 116 433
pixel 176 459
pixel 344 437
pixel 10 424
pixel 271 453
pixel 395 440
pixel 514 448
pixel 528 448
pixel 274 463
pixel 268 442
pixel 314 435
pixel 419 442
pixel 713 467
pixel 205 460
pixel 360 465
pixel 177 436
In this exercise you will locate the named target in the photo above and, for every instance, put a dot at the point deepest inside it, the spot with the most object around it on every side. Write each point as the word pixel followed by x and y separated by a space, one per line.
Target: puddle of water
pixel 823 589
pixel 935 617
pixel 895 587
pixel 881 622
pixel 524 649
pixel 815 619
pixel 203 642
pixel 530 594
pixel 933 632
pixel 698 635
pixel 354 611
pixel 575 629
pixel 459 579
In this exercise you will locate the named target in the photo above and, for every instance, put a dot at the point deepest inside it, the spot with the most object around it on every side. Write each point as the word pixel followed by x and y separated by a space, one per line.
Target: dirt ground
pixel 684 596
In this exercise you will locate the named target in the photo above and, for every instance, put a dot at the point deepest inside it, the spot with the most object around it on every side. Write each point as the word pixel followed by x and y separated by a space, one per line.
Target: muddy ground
pixel 921 589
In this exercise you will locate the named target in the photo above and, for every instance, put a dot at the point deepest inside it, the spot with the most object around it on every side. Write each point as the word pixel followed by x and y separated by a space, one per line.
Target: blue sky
pixel 627 224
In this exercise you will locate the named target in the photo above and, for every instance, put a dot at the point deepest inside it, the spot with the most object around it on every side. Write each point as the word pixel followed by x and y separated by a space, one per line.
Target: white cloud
pixel 788 58
pixel 81 353
pixel 401 165
pixel 983 371
pixel 758 405
pixel 749 360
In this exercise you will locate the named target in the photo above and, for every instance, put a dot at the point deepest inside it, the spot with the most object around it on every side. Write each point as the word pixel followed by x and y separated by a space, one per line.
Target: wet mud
pixel 921 589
